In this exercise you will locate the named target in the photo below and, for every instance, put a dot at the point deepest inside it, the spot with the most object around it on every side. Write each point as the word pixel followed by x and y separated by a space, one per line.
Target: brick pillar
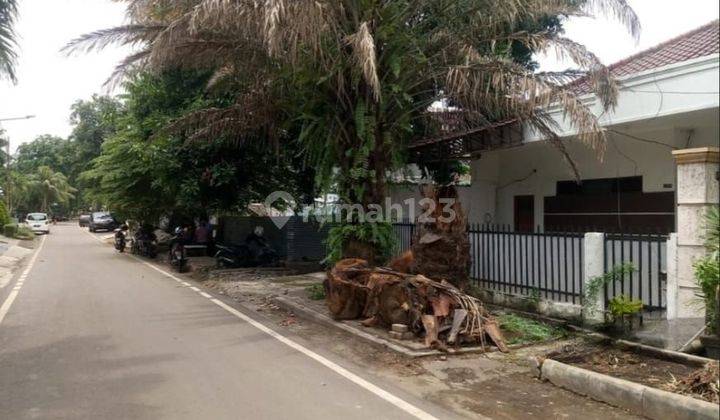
pixel 697 190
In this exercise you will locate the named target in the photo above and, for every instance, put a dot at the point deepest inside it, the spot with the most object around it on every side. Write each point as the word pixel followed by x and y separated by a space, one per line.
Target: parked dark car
pixel 84 220
pixel 103 221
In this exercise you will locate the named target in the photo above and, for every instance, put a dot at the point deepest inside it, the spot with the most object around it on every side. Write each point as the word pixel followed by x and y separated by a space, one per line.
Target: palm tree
pixel 353 80
pixel 50 187
pixel 8 57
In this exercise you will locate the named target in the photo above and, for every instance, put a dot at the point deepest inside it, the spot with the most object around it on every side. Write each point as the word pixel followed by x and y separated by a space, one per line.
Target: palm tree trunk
pixel 441 247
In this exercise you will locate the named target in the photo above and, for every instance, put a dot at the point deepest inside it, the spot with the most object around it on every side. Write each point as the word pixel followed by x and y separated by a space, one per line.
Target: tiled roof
pixel 699 42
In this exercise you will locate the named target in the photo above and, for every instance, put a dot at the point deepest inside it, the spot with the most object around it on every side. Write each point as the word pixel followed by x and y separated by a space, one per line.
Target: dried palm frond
pixel 403 55
pixel 8 56
pixel 130 35
pixel 363 46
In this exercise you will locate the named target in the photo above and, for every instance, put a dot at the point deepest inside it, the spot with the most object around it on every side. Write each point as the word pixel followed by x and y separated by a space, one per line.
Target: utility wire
pixel 630 136
pixel 676 92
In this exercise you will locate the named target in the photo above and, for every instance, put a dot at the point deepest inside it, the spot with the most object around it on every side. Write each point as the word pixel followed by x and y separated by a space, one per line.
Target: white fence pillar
pixel 594 267
pixel 671 286
pixel 697 190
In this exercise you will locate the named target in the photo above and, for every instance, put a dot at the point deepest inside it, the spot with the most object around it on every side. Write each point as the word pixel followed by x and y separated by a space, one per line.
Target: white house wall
pixel 535 168
pixel 677 88
pixel 676 105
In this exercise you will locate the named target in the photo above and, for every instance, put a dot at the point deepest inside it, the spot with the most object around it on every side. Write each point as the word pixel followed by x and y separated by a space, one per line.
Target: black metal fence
pixel 545 265
pixel 295 240
pixel 646 281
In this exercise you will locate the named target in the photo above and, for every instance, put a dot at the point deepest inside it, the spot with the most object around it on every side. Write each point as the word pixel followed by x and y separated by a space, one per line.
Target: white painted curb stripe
pixel 5 308
pixel 385 395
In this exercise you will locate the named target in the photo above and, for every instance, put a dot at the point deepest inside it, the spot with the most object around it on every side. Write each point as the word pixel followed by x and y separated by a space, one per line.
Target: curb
pixel 639 399
pixel 304 312
pixel 665 353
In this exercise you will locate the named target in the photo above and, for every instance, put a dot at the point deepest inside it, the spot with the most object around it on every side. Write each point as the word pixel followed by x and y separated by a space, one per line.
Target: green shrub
pixel 378 236
pixel 316 292
pixel 521 330
pixel 622 306
pixel 24 232
pixel 707 270
pixel 10 230
pixel 4 216
pixel 597 284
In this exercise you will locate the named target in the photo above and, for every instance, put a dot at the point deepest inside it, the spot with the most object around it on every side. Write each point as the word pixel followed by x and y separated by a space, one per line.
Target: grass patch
pixel 316 291
pixel 24 232
pixel 519 330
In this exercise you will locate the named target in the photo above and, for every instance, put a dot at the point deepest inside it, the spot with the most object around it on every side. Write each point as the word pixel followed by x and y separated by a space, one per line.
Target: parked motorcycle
pixel 255 252
pixel 178 255
pixel 120 239
pixel 144 243
pixel 233 256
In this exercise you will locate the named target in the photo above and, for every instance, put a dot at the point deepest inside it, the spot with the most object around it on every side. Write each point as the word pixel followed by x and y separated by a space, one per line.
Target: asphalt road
pixel 95 334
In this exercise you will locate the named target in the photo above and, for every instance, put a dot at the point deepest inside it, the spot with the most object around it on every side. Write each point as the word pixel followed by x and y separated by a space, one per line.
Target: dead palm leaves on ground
pixel 435 310
pixel 703 383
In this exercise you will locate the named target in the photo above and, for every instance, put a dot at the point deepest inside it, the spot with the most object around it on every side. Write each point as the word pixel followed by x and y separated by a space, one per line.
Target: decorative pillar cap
pixel 697 155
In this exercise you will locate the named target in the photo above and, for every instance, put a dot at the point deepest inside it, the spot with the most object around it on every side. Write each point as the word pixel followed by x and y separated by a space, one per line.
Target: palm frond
pixel 131 35
pixel 363 47
pixel 127 65
pixel 8 44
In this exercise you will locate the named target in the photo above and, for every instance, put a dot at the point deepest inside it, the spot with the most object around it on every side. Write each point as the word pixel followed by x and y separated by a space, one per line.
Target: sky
pixel 49 82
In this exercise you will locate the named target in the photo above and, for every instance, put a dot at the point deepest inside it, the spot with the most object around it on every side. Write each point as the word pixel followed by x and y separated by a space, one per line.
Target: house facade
pixel 668 101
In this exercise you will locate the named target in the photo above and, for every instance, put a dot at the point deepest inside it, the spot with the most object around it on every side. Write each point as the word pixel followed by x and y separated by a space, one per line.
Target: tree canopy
pixel 146 171
pixel 351 82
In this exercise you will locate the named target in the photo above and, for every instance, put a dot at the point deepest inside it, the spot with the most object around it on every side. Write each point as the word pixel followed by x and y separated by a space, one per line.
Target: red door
pixel 524 213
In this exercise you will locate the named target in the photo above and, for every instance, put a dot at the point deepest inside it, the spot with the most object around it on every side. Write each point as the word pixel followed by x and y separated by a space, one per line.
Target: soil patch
pixel 637 367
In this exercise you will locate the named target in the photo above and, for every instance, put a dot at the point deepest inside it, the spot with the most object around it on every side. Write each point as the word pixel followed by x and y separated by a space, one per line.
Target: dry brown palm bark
pixel 441 247
pixel 439 311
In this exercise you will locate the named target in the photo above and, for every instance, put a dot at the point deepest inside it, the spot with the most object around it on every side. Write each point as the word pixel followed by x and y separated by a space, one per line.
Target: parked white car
pixel 38 222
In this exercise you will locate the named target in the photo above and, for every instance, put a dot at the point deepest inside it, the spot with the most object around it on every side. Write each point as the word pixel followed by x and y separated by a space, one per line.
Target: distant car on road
pixel 38 222
pixel 84 220
pixel 103 221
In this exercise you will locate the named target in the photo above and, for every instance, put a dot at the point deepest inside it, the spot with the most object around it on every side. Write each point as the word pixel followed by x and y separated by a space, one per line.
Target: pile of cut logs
pixel 437 311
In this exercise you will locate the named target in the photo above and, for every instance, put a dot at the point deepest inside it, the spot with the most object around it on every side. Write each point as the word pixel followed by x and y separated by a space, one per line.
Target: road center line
pixel 374 389
pixel 13 294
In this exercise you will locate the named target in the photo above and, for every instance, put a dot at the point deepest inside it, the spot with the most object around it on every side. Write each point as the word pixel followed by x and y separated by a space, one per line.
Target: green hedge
pixel 24 232
pixel 10 230
pixel 4 216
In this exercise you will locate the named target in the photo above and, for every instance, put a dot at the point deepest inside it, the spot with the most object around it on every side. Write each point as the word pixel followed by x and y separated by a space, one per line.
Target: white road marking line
pixel 385 395
pixel 195 289
pixel 5 308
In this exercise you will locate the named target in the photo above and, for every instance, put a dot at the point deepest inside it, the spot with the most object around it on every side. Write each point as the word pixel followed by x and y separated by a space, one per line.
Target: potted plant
pixel 707 274
pixel 624 312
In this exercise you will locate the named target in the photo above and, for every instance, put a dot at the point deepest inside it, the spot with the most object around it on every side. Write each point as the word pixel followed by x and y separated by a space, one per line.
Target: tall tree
pixel 352 81
pixel 45 150
pixel 8 56
pixel 146 171
pixel 49 187
pixel 93 122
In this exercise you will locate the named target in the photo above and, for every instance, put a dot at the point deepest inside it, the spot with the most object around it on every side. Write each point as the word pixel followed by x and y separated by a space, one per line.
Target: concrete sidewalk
pixel 11 255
